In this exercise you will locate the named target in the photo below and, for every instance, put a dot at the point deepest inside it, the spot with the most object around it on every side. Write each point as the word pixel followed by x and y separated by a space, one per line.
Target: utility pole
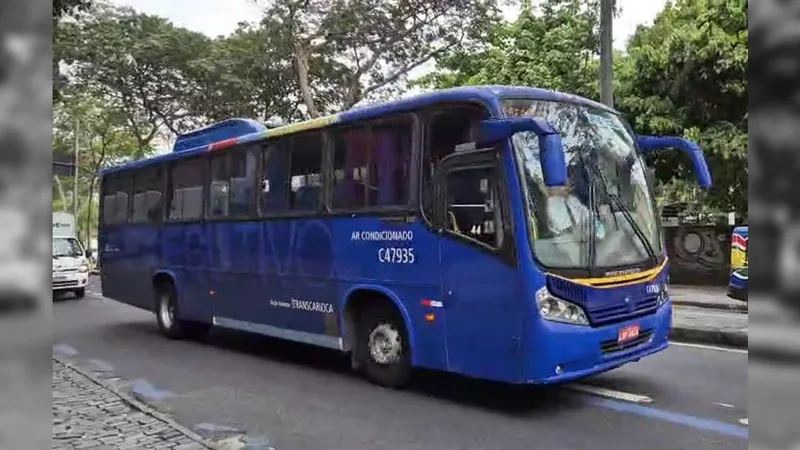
pixel 75 180
pixel 606 53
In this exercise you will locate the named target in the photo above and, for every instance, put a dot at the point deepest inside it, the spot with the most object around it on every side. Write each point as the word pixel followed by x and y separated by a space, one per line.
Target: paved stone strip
pixel 87 414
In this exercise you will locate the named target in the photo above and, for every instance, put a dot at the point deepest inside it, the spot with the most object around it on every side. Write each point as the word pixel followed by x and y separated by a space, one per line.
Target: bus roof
pixel 237 131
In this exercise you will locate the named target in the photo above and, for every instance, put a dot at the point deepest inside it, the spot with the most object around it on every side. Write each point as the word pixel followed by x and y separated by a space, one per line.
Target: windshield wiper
pixel 625 213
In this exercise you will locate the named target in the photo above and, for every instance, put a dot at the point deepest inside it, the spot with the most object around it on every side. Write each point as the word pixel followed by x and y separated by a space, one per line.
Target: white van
pixel 70 261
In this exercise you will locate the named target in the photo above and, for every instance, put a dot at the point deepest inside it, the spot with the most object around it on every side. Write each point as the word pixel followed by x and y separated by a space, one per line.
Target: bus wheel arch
pixel 369 311
pixel 166 306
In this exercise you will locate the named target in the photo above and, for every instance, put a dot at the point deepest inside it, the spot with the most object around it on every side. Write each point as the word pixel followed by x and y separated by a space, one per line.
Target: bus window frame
pixel 168 190
pixel 408 209
pixel 487 157
pixel 289 213
pixel 424 117
pixel 159 170
pixel 115 178
pixel 255 148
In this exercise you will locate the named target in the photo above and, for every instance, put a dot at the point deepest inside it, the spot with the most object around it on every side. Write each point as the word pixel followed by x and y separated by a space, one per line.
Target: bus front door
pixel 480 286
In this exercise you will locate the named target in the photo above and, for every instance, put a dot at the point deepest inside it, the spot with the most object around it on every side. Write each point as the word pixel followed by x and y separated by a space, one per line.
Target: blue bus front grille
pixel 605 306
pixel 620 312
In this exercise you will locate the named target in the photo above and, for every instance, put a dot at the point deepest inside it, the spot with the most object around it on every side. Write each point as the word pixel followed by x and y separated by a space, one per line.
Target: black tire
pixel 168 316
pixel 80 292
pixel 384 322
pixel 737 294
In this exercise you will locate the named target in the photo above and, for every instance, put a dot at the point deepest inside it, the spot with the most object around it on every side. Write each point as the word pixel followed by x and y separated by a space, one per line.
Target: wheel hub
pixel 166 311
pixel 385 345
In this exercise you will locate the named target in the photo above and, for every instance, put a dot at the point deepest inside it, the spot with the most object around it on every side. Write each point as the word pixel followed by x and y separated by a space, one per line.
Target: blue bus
pixel 737 283
pixel 501 233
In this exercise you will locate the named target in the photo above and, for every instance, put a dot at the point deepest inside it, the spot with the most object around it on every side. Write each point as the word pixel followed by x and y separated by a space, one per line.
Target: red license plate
pixel 628 333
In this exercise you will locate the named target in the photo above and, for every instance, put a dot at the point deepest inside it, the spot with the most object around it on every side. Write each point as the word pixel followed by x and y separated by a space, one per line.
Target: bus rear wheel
pixel 168 317
pixel 382 347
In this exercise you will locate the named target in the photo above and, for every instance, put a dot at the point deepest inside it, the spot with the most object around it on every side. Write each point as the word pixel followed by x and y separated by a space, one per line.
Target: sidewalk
pixel 713 297
pixel 709 326
pixel 89 415
pixel 706 315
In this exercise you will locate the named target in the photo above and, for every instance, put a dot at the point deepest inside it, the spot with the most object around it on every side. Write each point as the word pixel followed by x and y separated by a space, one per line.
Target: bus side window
pixel 274 182
pixel 115 198
pixel 371 164
pixel 473 207
pixel 109 206
pixel 219 186
pixel 350 157
pixel 185 188
pixel 446 128
pixel 243 166
pixel 306 172
pixel 147 204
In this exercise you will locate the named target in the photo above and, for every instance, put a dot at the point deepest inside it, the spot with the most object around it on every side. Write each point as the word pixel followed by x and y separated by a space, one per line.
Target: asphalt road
pixel 298 397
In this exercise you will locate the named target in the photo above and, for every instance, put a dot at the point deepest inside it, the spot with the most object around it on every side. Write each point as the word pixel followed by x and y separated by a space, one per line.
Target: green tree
pixel 138 63
pixel 342 52
pixel 244 75
pixel 63 8
pixel 553 44
pixel 104 139
pixel 687 75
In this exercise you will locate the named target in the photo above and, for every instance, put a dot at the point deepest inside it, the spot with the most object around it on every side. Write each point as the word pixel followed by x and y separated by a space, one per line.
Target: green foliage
pixel 63 8
pixel 104 139
pixel 684 75
pixel 137 63
pixel 244 75
pixel 345 51
pixel 552 45
pixel 687 75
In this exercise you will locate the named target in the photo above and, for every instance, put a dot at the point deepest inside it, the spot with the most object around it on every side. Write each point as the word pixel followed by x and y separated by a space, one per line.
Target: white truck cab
pixel 70 262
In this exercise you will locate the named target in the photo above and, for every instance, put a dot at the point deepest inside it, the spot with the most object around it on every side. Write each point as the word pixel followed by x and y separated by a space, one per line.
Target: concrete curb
pixel 720 306
pixel 138 405
pixel 773 354
pixel 735 339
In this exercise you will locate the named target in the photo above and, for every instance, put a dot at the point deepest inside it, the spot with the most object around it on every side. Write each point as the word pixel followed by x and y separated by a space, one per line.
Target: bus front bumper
pixel 563 352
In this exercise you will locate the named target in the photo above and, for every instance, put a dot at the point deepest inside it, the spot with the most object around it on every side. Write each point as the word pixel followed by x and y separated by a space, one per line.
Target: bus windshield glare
pixel 606 217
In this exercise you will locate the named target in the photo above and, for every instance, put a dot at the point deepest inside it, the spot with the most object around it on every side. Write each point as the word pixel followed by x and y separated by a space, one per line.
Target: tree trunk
pixel 89 214
pixel 61 192
pixel 353 93
pixel 301 65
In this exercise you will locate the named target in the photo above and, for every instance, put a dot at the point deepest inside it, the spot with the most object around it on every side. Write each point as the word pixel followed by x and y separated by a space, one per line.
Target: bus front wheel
pixel 168 318
pixel 383 348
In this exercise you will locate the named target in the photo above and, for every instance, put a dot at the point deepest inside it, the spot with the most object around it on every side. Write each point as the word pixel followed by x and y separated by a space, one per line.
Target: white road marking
pixel 726 405
pixel 709 347
pixel 610 393
pixel 743 421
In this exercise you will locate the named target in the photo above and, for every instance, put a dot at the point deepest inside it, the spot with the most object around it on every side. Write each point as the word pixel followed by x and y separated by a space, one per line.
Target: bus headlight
pixel 557 310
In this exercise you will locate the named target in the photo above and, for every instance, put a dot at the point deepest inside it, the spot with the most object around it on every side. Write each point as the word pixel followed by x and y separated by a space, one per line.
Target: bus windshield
pixel 606 217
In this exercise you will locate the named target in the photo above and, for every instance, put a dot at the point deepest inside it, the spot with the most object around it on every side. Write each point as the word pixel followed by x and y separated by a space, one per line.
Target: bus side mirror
pixel 551 150
pixel 692 150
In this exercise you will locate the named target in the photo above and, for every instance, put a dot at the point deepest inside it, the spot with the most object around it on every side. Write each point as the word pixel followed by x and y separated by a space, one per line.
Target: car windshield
pixel 606 217
pixel 66 247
